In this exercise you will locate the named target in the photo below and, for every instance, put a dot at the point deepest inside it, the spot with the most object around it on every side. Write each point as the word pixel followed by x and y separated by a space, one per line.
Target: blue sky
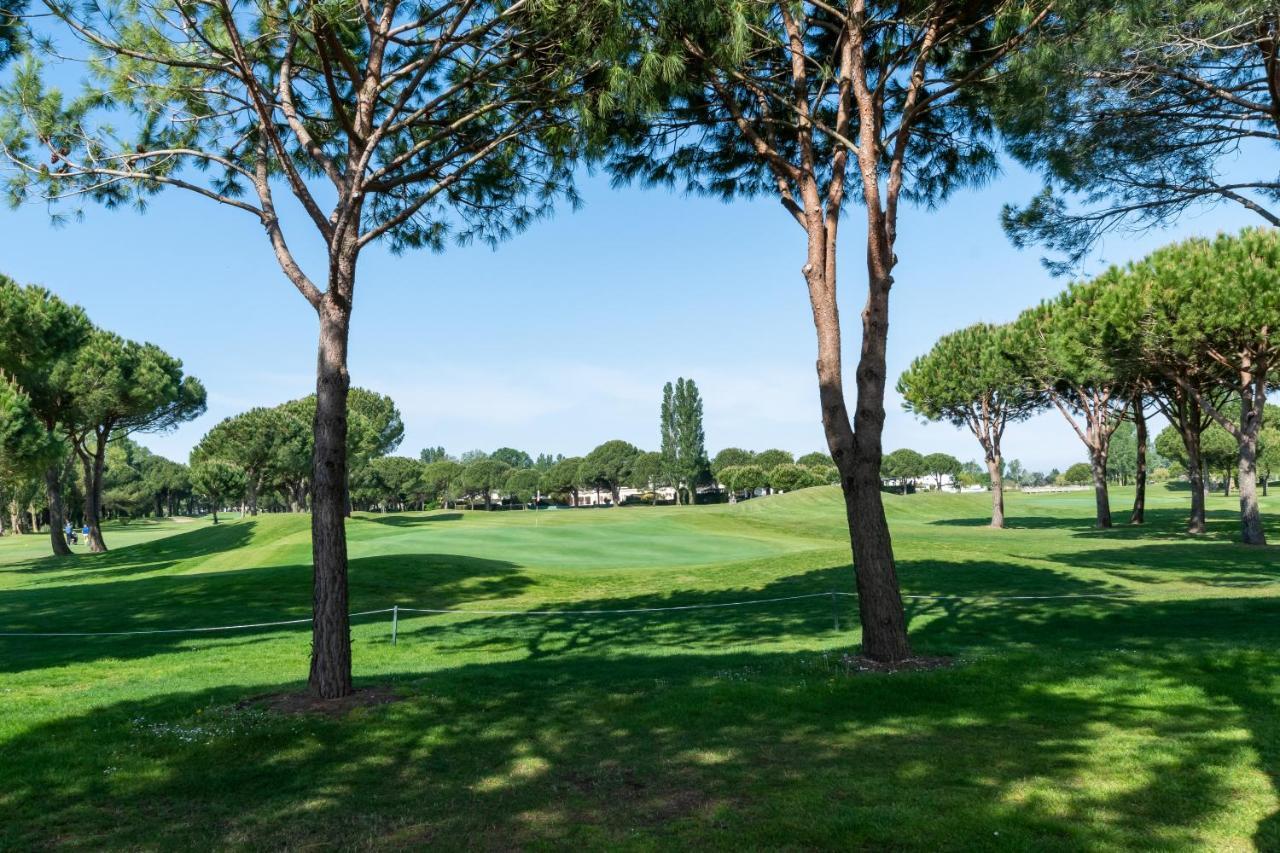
pixel 563 337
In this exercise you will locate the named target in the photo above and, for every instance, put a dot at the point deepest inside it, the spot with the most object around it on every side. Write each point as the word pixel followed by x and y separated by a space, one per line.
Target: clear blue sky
pixel 563 337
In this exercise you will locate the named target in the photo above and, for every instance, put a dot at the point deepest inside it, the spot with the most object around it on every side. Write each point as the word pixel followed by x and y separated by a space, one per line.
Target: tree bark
pixel 57 515
pixel 93 465
pixel 1251 530
pixel 1139 514
pixel 1101 495
pixel 994 466
pixel 1195 476
pixel 330 676
pixel 884 624
pixel 1251 425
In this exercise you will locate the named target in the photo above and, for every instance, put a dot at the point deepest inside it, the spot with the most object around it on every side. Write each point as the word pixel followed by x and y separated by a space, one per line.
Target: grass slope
pixel 1145 716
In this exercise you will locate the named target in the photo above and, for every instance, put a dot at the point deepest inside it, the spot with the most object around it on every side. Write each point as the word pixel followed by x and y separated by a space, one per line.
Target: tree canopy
pixel 1137 111
pixel 970 379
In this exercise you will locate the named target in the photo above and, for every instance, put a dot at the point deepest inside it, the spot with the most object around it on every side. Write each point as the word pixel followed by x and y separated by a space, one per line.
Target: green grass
pixel 1146 717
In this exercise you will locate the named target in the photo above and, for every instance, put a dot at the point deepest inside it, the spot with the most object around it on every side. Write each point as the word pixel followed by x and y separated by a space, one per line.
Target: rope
pixel 173 630
pixel 744 603
pixel 628 610
pixel 1011 597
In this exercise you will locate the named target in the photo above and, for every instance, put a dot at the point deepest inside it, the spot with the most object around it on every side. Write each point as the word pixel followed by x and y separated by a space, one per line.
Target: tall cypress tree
pixel 694 467
pixel 669 448
pixel 684 451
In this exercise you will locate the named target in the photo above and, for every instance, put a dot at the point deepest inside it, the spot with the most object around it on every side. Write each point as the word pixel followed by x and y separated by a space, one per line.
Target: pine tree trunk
pixel 93 467
pixel 1195 476
pixel 994 466
pixel 1139 514
pixel 1226 483
pixel 884 624
pixel 57 514
pixel 330 676
pixel 1251 530
pixel 1101 496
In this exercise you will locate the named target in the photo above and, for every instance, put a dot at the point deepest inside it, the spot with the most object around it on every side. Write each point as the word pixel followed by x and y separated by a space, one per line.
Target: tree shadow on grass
pixel 1211 564
pixel 237 597
pixel 1160 523
pixel 1098 723
pixel 401 520
pixel 793 608
pixel 719 751
pixel 151 556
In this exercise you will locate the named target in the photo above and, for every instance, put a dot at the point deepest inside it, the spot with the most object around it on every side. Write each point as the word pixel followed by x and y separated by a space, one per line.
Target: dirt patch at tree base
pixel 854 664
pixel 305 703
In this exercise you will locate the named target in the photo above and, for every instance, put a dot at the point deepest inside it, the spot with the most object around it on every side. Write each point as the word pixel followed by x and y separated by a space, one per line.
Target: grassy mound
pixel 1127 697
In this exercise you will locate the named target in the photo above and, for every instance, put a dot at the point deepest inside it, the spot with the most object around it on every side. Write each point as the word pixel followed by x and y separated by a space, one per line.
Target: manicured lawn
pixel 1146 715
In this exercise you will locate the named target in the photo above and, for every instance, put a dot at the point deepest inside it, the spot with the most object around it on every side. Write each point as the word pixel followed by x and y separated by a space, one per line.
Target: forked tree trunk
pixel 1101 495
pixel 330 676
pixel 57 514
pixel 994 466
pixel 1139 514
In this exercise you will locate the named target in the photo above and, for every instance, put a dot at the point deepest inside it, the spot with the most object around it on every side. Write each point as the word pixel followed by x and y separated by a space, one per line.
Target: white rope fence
pixel 396 610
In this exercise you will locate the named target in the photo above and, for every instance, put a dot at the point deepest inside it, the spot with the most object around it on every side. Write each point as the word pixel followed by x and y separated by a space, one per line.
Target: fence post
pixel 835 610
pixel 395 622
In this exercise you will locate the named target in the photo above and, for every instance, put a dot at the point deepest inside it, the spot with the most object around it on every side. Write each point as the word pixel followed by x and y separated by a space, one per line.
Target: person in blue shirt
pixel 85 531
pixel 70 533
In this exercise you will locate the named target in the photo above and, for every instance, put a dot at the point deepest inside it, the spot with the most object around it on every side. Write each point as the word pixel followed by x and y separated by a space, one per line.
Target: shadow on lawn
pixel 1211 564
pixel 1160 523
pixel 151 556
pixel 669 730
pixel 745 750
pixel 400 520
pixel 237 597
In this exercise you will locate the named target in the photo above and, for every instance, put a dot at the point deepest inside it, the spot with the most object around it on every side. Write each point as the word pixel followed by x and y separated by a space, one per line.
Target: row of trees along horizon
pixel 415 125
